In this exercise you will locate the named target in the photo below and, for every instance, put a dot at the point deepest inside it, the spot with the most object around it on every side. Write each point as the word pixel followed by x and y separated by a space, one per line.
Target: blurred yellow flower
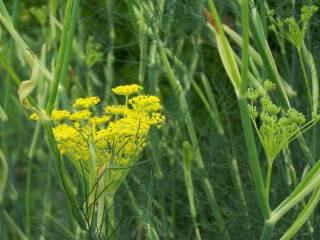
pixel 81 115
pixel 34 117
pixel 58 115
pixel 127 90
pixel 145 103
pixel 86 102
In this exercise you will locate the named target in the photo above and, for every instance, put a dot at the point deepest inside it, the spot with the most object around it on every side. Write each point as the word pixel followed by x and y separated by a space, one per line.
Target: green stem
pixel 304 72
pixel 187 166
pixel 245 116
pixel 28 206
pixel 268 181
pixel 280 212
pixel 109 71
pixel 267 231
pixel 304 215
pixel 101 206
pixel 143 42
pixel 64 52
pixel 111 224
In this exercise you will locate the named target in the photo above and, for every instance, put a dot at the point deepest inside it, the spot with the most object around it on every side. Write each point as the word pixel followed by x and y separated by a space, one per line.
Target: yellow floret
pixel 86 102
pixel 80 115
pixel 34 117
pixel 99 120
pixel 58 115
pixel 156 119
pixel 145 103
pixel 127 90
pixel 116 109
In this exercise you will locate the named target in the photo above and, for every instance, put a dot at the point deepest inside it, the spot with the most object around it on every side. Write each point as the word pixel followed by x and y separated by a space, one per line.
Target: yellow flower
pixel 116 109
pixel 127 90
pixel 99 120
pixel 58 115
pixel 156 119
pixel 86 102
pixel 117 137
pixel 145 103
pixel 81 115
pixel 34 117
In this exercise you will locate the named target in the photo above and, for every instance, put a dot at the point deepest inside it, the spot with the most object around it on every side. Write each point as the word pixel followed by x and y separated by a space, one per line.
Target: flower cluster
pixel 117 136
pixel 293 30
pixel 127 90
pixel 277 127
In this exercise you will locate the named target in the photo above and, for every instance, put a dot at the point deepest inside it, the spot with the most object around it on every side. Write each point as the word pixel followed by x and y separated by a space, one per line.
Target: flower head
pixel 116 137
pixel 81 115
pixel 127 90
pixel 34 117
pixel 145 103
pixel 277 127
pixel 116 109
pixel 86 102
pixel 58 115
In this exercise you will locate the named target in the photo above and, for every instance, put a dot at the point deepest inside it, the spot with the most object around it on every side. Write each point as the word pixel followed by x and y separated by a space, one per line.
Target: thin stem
pixel 280 212
pixel 268 181
pixel 111 217
pixel 305 77
pixel 101 205
pixel 143 42
pixel 28 206
pixel 304 215
pixel 245 116
pixel 65 48
pixel 187 166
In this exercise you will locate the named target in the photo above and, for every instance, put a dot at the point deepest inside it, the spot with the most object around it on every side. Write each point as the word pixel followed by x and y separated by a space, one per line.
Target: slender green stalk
pixel 279 212
pixel 305 77
pixel 268 181
pixel 28 206
pixel 109 71
pixel 303 216
pixel 213 104
pixel 111 224
pixel 187 161
pixel 64 52
pixel 267 231
pixel 143 42
pixel 302 185
pixel 309 61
